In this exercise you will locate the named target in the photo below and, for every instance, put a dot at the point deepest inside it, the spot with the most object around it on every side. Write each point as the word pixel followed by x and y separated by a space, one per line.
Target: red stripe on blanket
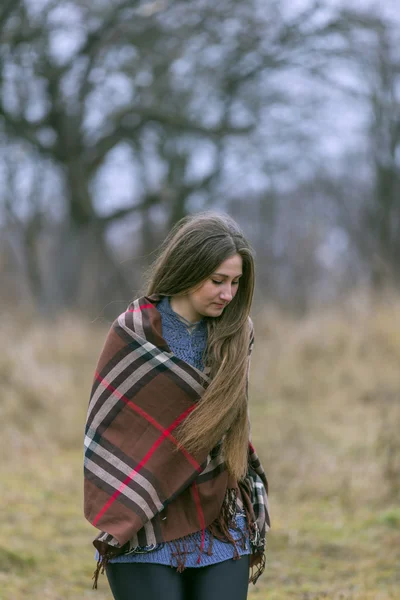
pixel 149 418
pixel 200 515
pixel 141 464
pixel 140 308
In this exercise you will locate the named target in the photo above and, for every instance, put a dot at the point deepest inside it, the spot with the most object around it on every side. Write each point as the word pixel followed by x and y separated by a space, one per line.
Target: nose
pixel 226 293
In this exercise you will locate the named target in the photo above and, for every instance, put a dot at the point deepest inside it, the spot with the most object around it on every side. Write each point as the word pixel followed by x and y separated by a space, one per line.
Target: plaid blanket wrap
pixel 139 487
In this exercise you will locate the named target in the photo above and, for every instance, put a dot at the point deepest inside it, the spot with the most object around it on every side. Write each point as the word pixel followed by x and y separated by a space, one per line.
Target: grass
pixel 325 420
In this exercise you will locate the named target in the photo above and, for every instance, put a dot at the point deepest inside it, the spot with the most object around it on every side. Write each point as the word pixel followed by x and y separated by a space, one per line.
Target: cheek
pixel 208 291
pixel 202 294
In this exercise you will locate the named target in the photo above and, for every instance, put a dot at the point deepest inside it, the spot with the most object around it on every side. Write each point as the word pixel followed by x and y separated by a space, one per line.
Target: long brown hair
pixel 192 251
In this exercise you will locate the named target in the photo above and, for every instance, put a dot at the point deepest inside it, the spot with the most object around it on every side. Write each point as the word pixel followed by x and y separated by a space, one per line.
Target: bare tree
pixel 199 99
pixel 382 216
pixel 368 196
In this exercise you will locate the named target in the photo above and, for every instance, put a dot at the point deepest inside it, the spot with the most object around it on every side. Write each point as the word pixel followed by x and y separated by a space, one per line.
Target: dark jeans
pixel 227 580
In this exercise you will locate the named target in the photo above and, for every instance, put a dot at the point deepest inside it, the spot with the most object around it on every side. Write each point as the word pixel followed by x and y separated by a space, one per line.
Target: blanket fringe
pixel 180 549
pixel 257 542
pixel 218 529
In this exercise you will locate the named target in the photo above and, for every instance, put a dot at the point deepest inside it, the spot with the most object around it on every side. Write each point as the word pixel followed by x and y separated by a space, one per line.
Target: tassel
pixel 101 565
pixel 210 545
pixel 180 549
pixel 219 528
pixel 257 569
pixel 178 555
pixel 201 549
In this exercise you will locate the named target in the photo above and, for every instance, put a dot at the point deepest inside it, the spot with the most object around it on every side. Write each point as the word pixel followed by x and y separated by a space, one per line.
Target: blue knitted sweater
pixel 188 341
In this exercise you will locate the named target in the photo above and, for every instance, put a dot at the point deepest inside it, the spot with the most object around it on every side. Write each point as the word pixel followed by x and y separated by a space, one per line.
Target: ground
pixel 325 413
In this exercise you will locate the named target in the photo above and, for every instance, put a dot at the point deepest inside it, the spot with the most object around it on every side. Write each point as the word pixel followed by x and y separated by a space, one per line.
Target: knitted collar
pixel 164 306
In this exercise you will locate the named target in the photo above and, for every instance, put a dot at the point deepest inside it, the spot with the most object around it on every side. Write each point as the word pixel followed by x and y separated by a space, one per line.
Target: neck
pixel 183 308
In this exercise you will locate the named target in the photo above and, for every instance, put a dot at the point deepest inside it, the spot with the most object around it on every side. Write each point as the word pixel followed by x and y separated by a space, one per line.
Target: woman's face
pixel 210 299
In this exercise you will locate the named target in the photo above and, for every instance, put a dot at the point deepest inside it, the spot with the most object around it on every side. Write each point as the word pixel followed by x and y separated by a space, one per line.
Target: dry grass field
pixel 325 405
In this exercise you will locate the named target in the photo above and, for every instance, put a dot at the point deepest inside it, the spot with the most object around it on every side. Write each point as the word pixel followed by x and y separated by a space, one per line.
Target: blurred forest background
pixel 119 117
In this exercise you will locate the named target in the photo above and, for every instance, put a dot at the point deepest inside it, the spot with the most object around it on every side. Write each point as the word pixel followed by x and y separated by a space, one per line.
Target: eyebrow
pixel 225 276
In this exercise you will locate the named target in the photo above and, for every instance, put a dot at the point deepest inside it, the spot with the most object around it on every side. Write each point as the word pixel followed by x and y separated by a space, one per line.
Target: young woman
pixel 171 478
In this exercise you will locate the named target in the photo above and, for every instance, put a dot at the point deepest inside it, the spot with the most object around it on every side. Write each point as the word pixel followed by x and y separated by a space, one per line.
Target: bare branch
pixel 94 156
pixel 23 129
pixel 96 41
pixel 150 200
pixel 8 9
pixel 180 122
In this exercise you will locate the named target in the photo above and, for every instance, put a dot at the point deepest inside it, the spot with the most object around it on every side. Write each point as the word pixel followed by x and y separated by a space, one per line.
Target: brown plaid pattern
pixel 140 488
